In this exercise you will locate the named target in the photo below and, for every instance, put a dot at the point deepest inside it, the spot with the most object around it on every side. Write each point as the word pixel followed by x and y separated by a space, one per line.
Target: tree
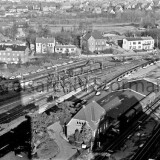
pixel 85 26
pixel 76 135
pixel 64 38
pixel 129 34
pixel 66 111
pixel 43 31
pixel 62 29
pixel 12 32
pixel 148 22
pixel 86 133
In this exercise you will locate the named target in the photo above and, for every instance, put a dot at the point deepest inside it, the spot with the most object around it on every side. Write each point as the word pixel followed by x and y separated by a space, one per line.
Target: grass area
pixel 48 149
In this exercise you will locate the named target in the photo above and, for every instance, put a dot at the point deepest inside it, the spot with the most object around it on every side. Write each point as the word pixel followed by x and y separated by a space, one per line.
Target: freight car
pixel 9 89
pixel 84 69
pixel 130 114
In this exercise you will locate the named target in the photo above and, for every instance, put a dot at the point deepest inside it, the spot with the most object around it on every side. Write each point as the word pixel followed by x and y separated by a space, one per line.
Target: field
pixel 118 27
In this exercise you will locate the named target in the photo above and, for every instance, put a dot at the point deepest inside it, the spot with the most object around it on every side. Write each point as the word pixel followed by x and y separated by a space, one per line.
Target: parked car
pixel 49 67
pixel 13 77
pixel 33 72
pixel 25 74
pixel 19 76
pixel 98 93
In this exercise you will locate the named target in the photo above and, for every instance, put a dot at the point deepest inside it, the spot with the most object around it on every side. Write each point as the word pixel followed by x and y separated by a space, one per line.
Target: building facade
pixel 138 43
pixel 89 114
pixel 65 49
pixel 14 53
pixel 94 41
pixel 45 45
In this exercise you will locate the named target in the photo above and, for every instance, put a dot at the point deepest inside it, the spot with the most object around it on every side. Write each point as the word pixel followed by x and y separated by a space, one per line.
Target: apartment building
pixel 138 43
pixel 12 52
pixel 45 45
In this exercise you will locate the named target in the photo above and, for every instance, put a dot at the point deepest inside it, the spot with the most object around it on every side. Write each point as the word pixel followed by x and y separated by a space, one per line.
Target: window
pixel 130 47
pixel 57 49
pixel 134 42
pixel 139 42
pixel 72 49
pixel 61 49
pixel 139 46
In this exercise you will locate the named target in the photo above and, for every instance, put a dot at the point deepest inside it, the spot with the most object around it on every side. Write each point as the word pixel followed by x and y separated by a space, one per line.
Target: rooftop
pixel 65 46
pixel 95 34
pixel 12 47
pixel 143 87
pixel 45 40
pixel 91 113
pixel 138 38
pixel 116 103
pixel 130 94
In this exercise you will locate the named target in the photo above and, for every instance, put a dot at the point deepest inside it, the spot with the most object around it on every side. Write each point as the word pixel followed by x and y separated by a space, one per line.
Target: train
pixel 139 108
pixel 79 70
pixel 9 89
pixel 84 69
pixel 130 114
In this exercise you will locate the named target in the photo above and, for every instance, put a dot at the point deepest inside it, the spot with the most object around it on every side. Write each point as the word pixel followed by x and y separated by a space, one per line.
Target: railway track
pixel 121 139
pixel 142 153
pixel 23 107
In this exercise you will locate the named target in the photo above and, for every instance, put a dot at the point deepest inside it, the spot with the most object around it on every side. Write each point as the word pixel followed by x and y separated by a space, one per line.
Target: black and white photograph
pixel 79 79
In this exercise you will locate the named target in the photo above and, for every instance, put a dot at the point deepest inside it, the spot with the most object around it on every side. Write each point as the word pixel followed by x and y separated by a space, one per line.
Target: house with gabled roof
pixel 138 6
pixel 148 7
pixel 94 41
pixel 44 45
pixel 89 114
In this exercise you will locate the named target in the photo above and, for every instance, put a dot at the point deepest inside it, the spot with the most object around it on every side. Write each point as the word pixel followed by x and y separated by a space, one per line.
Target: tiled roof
pixel 118 102
pixel 90 113
pixel 94 34
pixel 138 38
pixel 13 47
pixel 134 39
pixel 65 46
pixel 130 94
pixel 147 38
pixel 45 40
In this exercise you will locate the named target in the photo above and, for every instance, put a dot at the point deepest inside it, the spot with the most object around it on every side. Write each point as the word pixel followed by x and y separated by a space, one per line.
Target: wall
pixel 72 126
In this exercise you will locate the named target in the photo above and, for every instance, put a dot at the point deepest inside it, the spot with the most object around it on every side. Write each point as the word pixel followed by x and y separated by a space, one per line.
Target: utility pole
pixel 157 42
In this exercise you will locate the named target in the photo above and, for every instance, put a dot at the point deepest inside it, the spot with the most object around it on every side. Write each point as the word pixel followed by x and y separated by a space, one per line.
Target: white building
pixel 89 114
pixel 65 49
pixel 138 43
pixel 45 45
